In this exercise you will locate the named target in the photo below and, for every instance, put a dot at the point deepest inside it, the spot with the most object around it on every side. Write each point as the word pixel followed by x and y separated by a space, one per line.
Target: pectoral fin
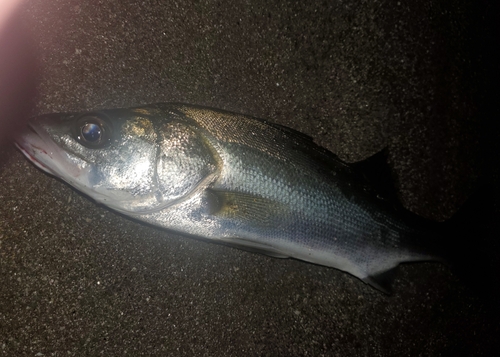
pixel 243 207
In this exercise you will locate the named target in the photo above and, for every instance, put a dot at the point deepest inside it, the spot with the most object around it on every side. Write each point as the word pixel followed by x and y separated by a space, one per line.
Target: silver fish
pixel 230 178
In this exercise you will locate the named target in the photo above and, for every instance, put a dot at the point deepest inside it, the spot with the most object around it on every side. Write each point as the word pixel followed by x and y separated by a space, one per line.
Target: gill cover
pixel 149 163
pixel 186 161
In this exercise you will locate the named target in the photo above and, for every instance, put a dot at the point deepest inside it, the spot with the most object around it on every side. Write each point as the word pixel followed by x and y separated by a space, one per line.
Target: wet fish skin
pixel 229 178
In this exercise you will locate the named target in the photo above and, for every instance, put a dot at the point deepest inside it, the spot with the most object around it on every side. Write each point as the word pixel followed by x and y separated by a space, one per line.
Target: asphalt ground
pixel 415 78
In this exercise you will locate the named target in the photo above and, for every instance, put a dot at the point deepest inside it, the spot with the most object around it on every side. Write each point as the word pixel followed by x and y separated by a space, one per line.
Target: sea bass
pixel 230 178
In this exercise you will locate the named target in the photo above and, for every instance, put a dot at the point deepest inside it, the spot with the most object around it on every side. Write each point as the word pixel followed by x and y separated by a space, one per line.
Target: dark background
pixel 416 77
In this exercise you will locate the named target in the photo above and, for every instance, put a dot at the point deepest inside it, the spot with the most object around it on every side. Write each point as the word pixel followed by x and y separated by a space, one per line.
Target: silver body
pixel 232 179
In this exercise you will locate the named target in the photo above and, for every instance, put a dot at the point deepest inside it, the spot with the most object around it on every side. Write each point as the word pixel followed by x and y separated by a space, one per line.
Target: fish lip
pixel 39 148
pixel 33 159
pixel 29 142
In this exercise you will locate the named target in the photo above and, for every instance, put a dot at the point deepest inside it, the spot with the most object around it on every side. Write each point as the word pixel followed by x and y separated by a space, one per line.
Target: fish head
pixel 132 162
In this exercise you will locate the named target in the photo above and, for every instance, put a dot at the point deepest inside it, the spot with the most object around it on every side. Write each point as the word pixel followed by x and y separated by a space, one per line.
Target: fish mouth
pixel 35 144
pixel 41 150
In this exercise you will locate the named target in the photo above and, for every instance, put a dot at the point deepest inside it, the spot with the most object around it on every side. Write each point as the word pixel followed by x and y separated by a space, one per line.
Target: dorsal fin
pixel 378 176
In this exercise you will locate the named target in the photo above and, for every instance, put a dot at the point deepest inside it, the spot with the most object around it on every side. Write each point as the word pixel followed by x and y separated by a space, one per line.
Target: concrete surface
pixel 77 279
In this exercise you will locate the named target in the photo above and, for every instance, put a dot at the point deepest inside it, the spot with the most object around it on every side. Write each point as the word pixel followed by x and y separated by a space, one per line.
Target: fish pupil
pixel 91 132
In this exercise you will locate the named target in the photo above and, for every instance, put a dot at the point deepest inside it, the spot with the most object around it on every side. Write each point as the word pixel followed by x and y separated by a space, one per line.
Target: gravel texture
pixel 414 77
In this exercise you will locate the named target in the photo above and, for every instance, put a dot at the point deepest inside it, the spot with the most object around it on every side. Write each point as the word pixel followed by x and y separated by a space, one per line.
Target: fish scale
pixel 229 178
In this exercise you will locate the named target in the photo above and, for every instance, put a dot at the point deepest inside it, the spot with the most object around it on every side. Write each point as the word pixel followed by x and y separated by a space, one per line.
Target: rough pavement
pixel 77 279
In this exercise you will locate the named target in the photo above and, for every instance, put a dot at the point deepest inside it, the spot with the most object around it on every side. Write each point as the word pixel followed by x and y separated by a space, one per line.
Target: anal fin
pixel 382 281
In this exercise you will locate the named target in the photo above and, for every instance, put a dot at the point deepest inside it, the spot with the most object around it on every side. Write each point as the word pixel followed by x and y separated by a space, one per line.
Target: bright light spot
pixel 141 168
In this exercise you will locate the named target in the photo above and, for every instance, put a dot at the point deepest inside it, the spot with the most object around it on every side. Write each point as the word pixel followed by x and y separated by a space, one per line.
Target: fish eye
pixel 93 131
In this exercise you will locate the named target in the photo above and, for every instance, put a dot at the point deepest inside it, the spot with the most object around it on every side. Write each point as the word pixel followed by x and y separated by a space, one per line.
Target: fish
pixel 231 179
